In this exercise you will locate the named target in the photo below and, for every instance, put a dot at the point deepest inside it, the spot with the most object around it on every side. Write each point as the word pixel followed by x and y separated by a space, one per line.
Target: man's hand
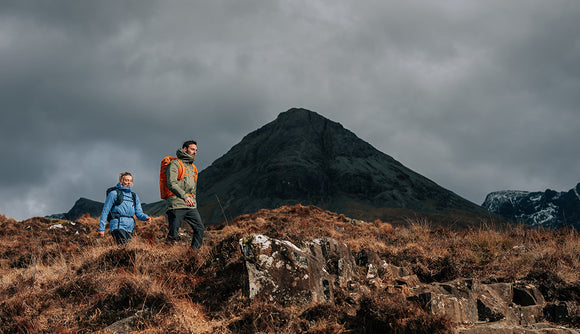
pixel 189 201
pixel 148 219
pixel 102 234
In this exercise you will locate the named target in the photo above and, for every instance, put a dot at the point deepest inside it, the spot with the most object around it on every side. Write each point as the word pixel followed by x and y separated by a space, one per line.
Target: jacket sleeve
pixel 139 210
pixel 106 208
pixel 172 182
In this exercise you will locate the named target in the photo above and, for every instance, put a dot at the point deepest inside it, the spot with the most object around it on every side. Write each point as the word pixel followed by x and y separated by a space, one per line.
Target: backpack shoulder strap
pixel 181 170
pixel 119 197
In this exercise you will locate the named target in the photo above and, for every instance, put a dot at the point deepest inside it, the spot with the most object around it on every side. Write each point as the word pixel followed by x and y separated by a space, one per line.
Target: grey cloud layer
pixel 476 96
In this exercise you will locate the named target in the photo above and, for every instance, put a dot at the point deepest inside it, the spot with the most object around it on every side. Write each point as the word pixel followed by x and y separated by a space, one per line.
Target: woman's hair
pixel 124 174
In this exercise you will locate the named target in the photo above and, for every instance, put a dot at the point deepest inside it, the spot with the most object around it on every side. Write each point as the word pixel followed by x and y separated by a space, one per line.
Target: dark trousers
pixel 121 236
pixel 191 217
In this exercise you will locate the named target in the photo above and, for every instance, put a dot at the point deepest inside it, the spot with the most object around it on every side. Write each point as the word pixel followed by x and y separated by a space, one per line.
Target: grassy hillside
pixel 59 277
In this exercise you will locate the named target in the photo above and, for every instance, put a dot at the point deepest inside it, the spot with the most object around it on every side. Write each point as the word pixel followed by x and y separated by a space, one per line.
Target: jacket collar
pixel 123 188
pixel 184 156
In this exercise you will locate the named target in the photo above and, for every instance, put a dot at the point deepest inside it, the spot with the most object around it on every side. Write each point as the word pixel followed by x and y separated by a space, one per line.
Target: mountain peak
pixel 300 116
pixel 297 113
pixel 303 157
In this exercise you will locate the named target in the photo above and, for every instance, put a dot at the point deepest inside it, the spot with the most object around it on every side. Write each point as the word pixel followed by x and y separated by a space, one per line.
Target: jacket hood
pixel 184 156
pixel 123 188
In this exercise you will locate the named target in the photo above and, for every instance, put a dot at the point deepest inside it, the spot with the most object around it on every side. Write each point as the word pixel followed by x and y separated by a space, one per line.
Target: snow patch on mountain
pixel 495 200
pixel 542 217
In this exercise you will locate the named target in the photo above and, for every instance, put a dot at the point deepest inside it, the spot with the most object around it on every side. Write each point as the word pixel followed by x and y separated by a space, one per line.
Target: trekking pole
pixel 223 213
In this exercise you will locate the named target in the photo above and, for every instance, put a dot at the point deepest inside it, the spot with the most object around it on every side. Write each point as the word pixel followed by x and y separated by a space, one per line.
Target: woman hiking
pixel 119 210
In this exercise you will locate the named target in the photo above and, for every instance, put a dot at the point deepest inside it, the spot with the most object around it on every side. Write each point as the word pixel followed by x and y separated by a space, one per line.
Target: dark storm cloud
pixel 478 96
pixel 485 97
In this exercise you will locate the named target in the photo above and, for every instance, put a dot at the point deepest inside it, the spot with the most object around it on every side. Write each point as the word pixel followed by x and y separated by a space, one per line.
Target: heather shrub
pixel 67 280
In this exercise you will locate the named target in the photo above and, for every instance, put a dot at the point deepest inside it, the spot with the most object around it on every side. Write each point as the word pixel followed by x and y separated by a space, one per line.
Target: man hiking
pixel 119 210
pixel 181 183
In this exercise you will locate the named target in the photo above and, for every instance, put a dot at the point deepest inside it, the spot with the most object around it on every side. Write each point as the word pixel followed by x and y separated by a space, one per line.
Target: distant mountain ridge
pixel 549 209
pixel 94 208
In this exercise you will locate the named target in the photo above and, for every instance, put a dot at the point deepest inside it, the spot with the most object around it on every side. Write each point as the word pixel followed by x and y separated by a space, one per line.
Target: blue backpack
pixel 118 201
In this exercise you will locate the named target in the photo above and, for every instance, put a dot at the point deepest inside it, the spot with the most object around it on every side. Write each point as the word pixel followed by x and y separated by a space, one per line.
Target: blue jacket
pixel 124 209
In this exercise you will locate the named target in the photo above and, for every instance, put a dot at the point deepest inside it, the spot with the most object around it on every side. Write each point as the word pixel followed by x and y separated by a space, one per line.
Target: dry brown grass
pixel 70 281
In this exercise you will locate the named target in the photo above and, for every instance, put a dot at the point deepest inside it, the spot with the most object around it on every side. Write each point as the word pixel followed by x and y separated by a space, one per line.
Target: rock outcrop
pixel 287 274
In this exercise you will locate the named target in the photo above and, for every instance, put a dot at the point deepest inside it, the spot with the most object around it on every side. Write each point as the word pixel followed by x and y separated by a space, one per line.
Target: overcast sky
pixel 477 96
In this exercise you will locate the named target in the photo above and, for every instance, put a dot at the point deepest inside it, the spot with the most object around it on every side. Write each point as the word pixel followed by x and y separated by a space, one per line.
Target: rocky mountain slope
pixel 302 157
pixel 549 209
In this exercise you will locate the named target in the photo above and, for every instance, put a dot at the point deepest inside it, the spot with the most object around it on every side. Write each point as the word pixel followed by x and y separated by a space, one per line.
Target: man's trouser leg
pixel 192 218
pixel 174 219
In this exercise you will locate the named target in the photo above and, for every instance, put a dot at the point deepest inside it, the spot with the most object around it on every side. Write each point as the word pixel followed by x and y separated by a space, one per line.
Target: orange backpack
pixel 163 189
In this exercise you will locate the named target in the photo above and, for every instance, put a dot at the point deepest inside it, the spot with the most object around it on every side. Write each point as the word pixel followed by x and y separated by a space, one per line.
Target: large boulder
pixel 469 302
pixel 285 273
pixel 493 301
pixel 455 299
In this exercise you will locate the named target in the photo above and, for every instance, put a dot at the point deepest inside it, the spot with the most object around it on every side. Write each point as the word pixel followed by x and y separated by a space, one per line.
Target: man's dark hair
pixel 189 142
